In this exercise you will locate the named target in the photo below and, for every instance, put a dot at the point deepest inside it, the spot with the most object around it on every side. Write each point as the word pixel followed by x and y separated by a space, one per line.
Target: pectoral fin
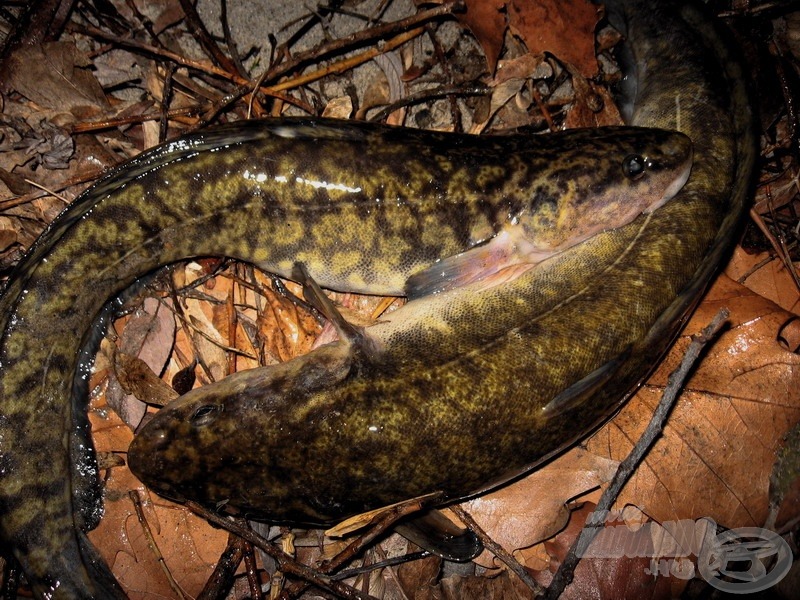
pixel 582 390
pixel 498 260
pixel 437 534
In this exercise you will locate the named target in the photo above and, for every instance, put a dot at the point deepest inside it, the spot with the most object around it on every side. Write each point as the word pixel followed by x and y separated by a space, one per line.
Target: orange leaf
pixel 718 447
pixel 486 21
pixel 564 28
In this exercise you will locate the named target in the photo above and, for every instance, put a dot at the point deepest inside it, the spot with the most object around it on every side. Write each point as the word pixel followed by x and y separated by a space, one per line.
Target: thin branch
pixel 627 467
pixel 379 525
pixel 286 563
pixel 496 549
pixel 203 37
pixel 151 543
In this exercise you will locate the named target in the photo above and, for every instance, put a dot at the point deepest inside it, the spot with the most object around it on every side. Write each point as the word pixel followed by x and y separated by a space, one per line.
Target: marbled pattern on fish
pixel 364 207
pixel 486 383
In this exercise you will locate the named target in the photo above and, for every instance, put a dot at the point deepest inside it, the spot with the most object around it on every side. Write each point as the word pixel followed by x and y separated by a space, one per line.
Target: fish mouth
pixel 674 187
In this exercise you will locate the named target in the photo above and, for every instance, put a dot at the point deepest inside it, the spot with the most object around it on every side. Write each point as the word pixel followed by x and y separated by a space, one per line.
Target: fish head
pixel 616 175
pixel 212 444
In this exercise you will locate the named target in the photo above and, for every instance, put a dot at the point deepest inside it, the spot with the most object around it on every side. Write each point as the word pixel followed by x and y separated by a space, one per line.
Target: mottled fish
pixel 363 207
pixel 459 391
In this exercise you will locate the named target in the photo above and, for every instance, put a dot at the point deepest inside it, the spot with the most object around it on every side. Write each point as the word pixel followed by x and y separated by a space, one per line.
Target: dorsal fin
pixel 364 347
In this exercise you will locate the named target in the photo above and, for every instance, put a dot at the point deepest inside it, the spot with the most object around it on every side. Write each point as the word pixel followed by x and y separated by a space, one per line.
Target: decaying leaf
pixel 524 514
pixel 138 379
pixel 146 339
pixel 717 451
pixel 626 577
pixel 766 275
pixel 487 22
pixel 53 76
pixel 564 28
pixel 784 481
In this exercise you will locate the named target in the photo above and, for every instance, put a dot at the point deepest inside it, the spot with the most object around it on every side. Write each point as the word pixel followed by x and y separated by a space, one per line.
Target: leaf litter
pixel 129 78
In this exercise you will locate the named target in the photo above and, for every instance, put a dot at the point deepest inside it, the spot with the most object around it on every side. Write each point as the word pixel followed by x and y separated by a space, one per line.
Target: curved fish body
pixel 363 207
pixel 488 382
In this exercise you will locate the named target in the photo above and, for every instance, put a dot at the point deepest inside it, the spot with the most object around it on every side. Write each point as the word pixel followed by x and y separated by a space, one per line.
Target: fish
pixel 469 386
pixel 363 207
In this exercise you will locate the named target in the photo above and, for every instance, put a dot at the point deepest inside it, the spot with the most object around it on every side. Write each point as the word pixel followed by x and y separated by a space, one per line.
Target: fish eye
pixel 203 415
pixel 633 166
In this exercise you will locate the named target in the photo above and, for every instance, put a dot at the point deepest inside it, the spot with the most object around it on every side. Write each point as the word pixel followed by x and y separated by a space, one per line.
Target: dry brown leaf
pixel 148 335
pixel 339 108
pixel 767 276
pixel 138 379
pixel 415 575
pixel 287 331
pixel 564 28
pixel 533 509
pixel 620 578
pixel 52 75
pixel 594 106
pixel 718 448
pixel 487 22
pixel 208 340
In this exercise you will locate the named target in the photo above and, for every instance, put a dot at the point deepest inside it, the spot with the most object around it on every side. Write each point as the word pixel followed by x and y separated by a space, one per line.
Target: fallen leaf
pixel 487 22
pixel 717 450
pixel 766 275
pixel 207 339
pixel 52 75
pixel 147 335
pixel 521 515
pixel 622 578
pixel 138 379
pixel 784 481
pixel 418 574
pixel 564 28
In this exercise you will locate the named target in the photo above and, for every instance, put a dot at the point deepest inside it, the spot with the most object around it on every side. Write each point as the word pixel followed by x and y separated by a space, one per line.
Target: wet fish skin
pixel 488 383
pixel 363 207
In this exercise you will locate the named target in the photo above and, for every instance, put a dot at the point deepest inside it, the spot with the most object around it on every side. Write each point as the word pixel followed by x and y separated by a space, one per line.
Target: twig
pixel 627 467
pixel 368 35
pixel 229 41
pixel 202 66
pixel 496 549
pixel 778 245
pixel 172 113
pixel 221 579
pixel 389 562
pixel 203 37
pixel 251 572
pixel 338 46
pixel 286 563
pixel 381 523
pixel 151 542
pixel 346 64
pixel 447 91
pixel 302 58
